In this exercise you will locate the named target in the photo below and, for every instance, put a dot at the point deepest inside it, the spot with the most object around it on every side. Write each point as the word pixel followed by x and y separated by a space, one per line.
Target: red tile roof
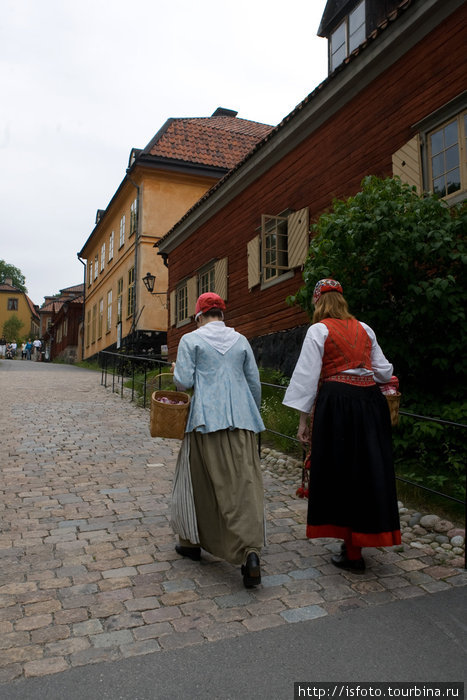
pixel 219 141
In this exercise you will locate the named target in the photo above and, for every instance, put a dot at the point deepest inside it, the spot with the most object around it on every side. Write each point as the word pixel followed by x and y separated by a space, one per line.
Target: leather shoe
pixel 251 571
pixel 342 562
pixel 190 552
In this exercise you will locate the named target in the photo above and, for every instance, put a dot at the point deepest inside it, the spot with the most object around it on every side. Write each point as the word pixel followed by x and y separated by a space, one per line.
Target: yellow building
pixel 15 303
pixel 162 181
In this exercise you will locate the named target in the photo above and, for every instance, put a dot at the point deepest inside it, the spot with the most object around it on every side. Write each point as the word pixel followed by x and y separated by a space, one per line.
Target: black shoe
pixel 251 571
pixel 190 552
pixel 341 561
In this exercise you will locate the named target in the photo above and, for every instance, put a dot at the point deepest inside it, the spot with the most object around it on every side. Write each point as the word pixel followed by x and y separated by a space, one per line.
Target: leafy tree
pixel 12 272
pixel 401 260
pixel 12 328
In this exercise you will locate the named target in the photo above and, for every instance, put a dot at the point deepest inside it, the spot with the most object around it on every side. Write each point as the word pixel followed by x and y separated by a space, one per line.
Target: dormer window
pixel 349 34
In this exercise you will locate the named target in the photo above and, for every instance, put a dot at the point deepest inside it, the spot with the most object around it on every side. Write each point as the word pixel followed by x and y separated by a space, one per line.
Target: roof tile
pixel 215 141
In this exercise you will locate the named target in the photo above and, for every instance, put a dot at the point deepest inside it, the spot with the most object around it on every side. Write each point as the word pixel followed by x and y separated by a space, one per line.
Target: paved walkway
pixel 88 571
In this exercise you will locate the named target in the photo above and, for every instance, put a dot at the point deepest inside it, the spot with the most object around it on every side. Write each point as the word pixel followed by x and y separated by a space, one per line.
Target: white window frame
pixel 90 273
pixel 267 270
pixel 119 299
pixel 131 292
pixel 111 245
pixel 109 311
pixel 207 278
pixel 100 318
pixel 274 250
pixel 96 266
pixel 352 36
pixel 460 122
pixel 121 240
pixel 102 256
pixel 181 304
pixel 133 217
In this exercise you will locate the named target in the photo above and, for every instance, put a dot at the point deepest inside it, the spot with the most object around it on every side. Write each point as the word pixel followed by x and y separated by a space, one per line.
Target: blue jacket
pixel 227 389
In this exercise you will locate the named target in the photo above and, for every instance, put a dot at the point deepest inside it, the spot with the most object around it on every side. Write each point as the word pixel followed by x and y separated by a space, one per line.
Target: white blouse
pixel 301 392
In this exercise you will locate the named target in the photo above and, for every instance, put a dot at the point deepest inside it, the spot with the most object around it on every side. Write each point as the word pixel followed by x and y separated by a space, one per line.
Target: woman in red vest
pixel 345 417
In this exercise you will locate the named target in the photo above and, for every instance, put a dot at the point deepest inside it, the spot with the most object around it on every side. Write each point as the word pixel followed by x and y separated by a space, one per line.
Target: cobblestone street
pixel 88 571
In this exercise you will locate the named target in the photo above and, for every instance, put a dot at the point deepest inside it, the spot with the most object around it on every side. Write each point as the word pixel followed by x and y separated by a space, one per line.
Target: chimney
pixel 9 281
pixel 223 112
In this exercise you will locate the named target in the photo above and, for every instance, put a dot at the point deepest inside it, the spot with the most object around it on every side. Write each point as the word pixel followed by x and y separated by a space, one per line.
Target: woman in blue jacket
pixel 220 450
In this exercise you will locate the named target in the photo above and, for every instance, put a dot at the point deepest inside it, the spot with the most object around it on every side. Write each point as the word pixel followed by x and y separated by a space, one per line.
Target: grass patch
pixel 84 364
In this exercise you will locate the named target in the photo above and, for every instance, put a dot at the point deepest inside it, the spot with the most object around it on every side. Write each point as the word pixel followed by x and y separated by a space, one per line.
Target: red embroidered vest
pixel 347 346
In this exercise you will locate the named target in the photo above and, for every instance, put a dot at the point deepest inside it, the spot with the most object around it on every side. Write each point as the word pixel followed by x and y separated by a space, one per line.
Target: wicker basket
pixel 169 420
pixel 394 403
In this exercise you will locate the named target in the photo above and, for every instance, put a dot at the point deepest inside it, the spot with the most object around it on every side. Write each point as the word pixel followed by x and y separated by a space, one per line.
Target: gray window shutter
pixel 406 163
pixel 253 262
pixel 220 278
pixel 192 294
pixel 173 305
pixel 297 237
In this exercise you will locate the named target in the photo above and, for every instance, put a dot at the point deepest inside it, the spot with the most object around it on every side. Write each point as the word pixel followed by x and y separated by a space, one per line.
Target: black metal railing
pixel 123 368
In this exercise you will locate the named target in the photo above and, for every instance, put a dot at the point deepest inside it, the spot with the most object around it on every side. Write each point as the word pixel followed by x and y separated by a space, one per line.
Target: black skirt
pixel 352 483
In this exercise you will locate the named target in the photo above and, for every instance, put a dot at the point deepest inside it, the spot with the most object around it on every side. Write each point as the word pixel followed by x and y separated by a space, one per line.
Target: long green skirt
pixel 228 493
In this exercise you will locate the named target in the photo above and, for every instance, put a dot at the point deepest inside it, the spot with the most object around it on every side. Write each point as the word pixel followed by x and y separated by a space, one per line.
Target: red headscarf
pixel 208 301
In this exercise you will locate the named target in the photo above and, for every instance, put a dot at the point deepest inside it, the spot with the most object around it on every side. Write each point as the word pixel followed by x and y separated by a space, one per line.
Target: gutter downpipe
pixel 137 237
pixel 84 306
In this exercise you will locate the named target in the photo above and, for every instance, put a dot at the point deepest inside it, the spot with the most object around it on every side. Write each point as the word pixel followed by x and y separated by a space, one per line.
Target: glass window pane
pixel 437 165
pixel 452 157
pixel 357 27
pixel 337 57
pixel 357 16
pixel 437 142
pixel 450 134
pixel 453 180
pixel 356 38
pixel 338 38
pixel 438 186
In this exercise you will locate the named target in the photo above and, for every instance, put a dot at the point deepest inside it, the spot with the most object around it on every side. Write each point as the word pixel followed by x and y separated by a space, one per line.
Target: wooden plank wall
pixel 358 141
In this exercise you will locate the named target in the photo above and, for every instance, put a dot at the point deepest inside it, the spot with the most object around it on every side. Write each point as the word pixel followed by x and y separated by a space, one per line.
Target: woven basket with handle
pixel 394 401
pixel 168 420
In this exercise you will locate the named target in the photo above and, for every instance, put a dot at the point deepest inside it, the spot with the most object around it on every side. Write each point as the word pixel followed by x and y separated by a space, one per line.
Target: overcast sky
pixel 81 83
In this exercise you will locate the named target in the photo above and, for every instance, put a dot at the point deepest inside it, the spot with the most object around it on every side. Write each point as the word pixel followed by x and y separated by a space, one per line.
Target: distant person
pixel 28 349
pixel 13 349
pixel 2 347
pixel 23 351
pixel 345 417
pixel 220 451
pixel 37 349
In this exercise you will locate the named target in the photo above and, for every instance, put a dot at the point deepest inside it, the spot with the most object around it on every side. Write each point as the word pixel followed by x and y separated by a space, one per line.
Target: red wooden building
pixel 395 103
pixel 62 321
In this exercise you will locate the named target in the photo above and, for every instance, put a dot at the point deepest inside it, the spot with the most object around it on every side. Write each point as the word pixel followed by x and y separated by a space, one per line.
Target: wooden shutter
pixel 253 262
pixel 406 163
pixel 297 237
pixel 173 308
pixel 192 294
pixel 220 278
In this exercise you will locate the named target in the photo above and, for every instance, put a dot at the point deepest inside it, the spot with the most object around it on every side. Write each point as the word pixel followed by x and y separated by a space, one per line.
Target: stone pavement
pixel 88 571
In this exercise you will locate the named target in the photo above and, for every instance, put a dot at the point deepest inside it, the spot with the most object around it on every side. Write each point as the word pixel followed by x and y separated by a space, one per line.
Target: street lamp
pixel 149 281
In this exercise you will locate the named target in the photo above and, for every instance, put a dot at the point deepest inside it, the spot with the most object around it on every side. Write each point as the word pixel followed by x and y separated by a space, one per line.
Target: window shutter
pixel 253 262
pixel 220 278
pixel 173 306
pixel 192 294
pixel 297 237
pixel 406 163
